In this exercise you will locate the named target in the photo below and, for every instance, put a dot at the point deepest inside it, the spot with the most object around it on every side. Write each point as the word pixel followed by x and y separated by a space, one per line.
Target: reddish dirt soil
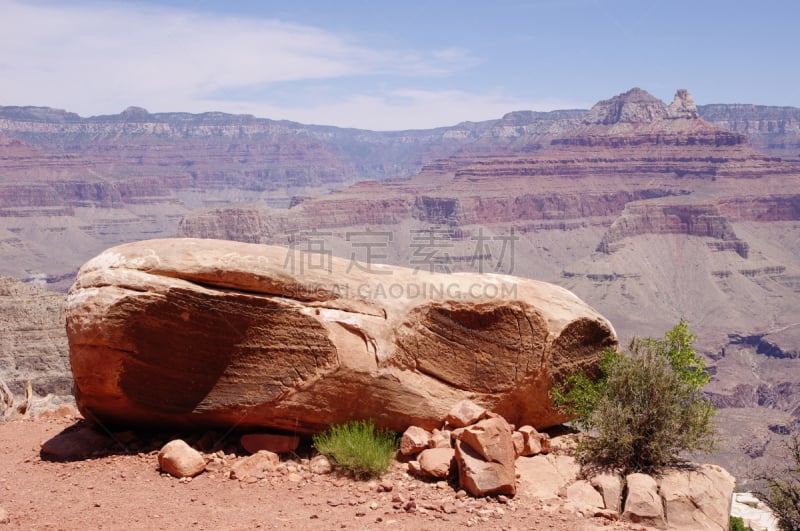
pixel 125 490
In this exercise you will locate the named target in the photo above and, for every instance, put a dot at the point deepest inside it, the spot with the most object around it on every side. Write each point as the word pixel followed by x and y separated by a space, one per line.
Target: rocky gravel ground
pixel 124 489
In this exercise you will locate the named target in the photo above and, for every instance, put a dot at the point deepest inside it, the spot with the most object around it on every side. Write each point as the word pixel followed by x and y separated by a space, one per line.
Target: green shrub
pixel 736 523
pixel 357 446
pixel 782 493
pixel 578 394
pixel 646 407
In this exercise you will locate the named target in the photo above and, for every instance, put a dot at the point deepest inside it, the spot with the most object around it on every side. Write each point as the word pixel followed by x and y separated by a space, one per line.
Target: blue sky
pixel 391 64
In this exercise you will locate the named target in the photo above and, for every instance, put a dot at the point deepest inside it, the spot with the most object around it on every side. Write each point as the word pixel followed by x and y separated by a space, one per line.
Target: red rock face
pixel 774 130
pixel 493 340
pixel 773 207
pixel 627 149
pixel 106 180
pixel 673 218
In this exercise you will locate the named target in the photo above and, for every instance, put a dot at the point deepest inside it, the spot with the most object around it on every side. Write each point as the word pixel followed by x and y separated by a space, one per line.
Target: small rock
pixel 485 457
pixel 610 487
pixel 180 460
pixel 440 439
pixel 257 465
pixel 385 486
pixel 643 504
pixel 414 440
pixel 320 465
pixel 535 443
pixel 373 505
pixel 545 442
pixel 414 467
pixel 215 465
pixel 436 462
pixel 465 413
pixel 582 492
pixel 503 498
pixel 449 508
pixel 519 443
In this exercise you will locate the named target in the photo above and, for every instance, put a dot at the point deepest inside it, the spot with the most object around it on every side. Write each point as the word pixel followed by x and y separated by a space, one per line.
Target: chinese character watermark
pixel 369 243
pixel 313 256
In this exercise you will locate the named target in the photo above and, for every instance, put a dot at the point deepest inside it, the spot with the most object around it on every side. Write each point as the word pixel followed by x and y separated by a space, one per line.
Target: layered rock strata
pixel 33 343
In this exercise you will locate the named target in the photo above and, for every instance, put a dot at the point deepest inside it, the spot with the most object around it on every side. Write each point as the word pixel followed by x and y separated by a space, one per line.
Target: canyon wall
pixel 775 130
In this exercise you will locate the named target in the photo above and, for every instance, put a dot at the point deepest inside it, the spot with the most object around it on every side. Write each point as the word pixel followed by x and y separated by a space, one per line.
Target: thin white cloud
pixel 402 109
pixel 99 58
pixel 91 58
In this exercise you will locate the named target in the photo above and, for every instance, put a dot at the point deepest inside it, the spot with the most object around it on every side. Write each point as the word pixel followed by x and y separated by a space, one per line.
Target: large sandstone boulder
pixel 189 332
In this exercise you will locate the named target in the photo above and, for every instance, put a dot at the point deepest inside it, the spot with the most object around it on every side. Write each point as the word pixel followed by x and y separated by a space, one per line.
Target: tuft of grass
pixel 737 524
pixel 358 447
